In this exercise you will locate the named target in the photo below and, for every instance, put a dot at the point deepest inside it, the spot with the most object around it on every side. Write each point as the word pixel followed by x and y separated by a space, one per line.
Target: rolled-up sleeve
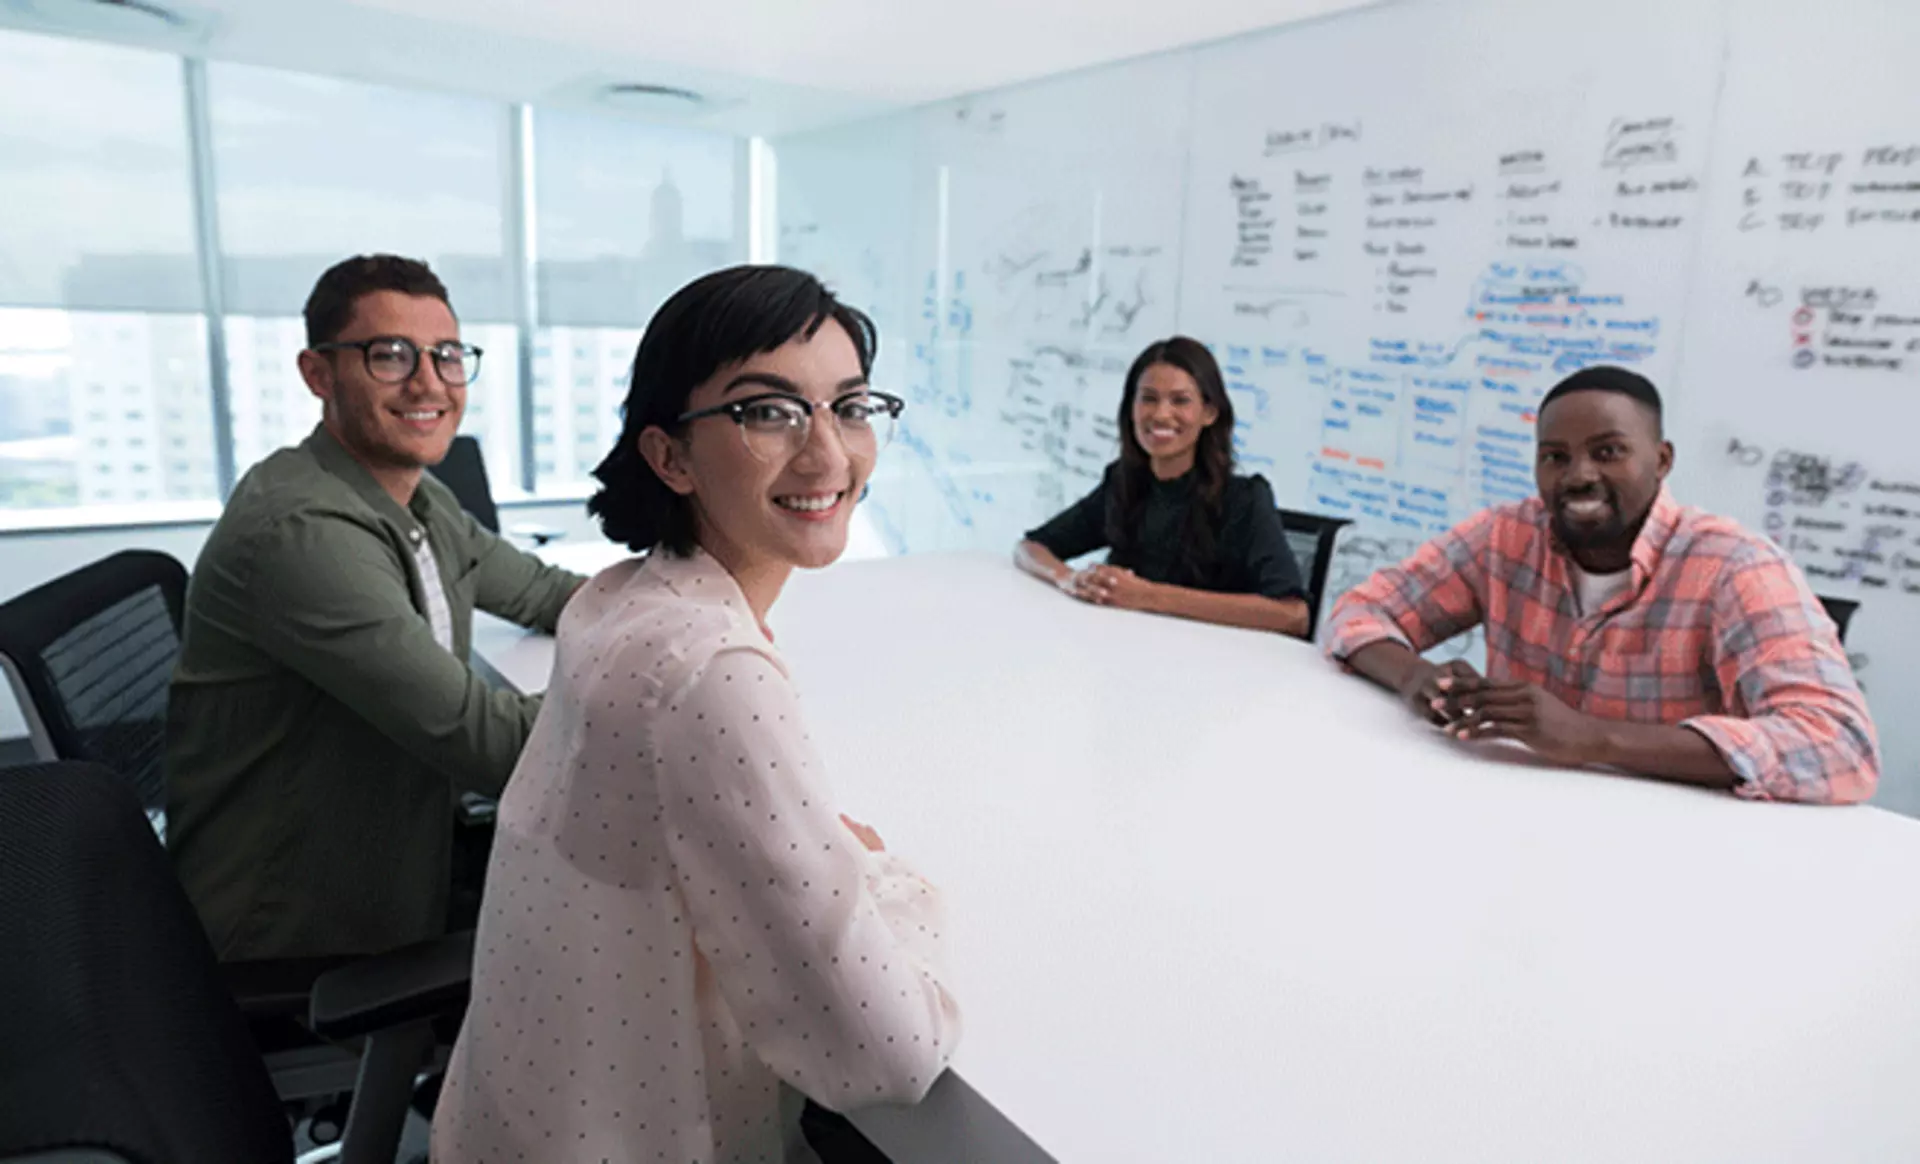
pixel 830 956
pixel 1434 595
pixel 1797 727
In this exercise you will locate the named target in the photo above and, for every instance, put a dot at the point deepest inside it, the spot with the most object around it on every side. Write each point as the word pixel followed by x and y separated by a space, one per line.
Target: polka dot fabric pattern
pixel 677 924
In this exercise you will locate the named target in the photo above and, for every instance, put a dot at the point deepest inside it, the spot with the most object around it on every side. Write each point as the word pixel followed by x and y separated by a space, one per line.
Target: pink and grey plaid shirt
pixel 1717 632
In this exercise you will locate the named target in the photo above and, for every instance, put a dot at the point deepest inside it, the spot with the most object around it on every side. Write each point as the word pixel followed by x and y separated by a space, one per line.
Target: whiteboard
pixel 1397 228
pixel 1801 372
pixel 1399 250
pixel 1043 252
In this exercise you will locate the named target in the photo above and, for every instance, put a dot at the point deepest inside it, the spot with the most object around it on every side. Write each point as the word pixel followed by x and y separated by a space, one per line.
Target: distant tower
pixel 669 217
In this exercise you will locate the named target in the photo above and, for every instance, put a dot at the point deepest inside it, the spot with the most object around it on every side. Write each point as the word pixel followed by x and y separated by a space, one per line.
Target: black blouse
pixel 1251 557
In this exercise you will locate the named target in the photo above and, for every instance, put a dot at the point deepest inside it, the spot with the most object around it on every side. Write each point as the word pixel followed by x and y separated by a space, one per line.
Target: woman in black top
pixel 1187 537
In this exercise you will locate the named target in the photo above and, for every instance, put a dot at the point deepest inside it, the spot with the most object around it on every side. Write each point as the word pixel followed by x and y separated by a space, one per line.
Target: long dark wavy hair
pixel 1212 465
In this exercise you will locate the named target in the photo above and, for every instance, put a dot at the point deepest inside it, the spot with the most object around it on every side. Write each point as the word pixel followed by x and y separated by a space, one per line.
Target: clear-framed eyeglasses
pixel 777 425
pixel 391 359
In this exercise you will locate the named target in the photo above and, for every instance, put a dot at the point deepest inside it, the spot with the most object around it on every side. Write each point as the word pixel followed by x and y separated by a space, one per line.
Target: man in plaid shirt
pixel 1622 628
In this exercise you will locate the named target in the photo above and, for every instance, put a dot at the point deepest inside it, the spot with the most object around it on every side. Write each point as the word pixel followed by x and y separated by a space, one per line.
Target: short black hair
pixel 712 323
pixel 1607 378
pixel 330 306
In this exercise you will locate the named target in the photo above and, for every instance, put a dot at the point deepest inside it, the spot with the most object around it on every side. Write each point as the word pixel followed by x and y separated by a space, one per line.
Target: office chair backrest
pixel 91 656
pixel 1840 610
pixel 116 1031
pixel 465 472
pixel 1311 538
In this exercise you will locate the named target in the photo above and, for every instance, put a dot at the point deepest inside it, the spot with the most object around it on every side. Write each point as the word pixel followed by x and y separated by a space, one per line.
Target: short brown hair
pixel 330 307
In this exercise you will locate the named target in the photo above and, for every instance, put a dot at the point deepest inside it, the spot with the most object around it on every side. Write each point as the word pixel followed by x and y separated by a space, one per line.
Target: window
pixel 106 393
pixel 271 407
pixel 99 277
pixel 96 181
pixel 626 215
pixel 493 405
pixel 595 385
pixel 312 170
pixel 42 351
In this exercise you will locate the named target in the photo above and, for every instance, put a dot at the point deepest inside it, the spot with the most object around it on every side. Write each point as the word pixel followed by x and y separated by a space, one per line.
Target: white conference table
pixel 1213 901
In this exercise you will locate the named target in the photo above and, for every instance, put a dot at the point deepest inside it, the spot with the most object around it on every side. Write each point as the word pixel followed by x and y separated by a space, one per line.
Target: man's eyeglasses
pixel 776 425
pixel 391 359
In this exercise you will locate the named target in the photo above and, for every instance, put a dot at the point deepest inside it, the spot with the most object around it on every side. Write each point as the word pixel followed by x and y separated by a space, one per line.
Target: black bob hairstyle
pixel 713 323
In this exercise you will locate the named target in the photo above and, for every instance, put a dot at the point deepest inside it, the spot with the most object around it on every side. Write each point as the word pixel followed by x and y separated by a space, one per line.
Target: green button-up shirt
pixel 318 737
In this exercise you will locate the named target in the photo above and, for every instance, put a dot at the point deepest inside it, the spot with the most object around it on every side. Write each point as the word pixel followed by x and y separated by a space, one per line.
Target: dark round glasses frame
pixel 456 354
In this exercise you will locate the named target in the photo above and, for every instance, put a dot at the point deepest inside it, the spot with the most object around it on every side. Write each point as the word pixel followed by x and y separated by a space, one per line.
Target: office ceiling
pixel 762 66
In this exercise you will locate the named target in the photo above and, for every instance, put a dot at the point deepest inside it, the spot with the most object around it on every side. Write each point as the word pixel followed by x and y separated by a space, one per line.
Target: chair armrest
pixel 276 986
pixel 421 981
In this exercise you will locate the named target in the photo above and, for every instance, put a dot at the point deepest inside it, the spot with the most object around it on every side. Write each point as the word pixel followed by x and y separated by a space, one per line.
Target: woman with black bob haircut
pixel 1185 536
pixel 681 939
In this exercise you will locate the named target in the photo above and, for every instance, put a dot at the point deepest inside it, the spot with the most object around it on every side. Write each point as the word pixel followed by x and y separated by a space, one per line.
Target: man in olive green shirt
pixel 324 719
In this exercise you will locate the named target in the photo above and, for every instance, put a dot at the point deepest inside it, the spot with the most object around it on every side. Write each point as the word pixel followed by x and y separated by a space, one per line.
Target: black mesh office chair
pixel 465 472
pixel 1311 538
pixel 90 656
pixel 1840 610
pixel 118 1040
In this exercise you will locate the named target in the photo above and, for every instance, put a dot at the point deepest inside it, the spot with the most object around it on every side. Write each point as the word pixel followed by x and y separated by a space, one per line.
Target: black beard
pixel 1617 533
pixel 1608 535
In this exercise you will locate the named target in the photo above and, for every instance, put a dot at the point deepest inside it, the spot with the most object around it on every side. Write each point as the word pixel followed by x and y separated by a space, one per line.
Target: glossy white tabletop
pixel 1213 900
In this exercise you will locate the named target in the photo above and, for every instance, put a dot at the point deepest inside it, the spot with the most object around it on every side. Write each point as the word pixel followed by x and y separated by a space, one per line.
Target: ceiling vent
pixel 138 21
pixel 652 99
